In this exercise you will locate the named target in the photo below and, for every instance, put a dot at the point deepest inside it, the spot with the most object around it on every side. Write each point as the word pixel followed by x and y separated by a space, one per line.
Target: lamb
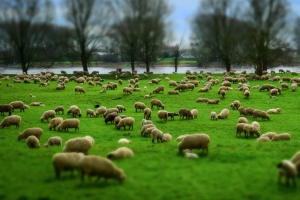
pixel 148 95
pixel 189 154
pixel 250 129
pixel 124 141
pixel 223 93
pixel 140 106
pixel 65 162
pixel 48 114
pixel 282 136
pixel 194 141
pixel 17 104
pixel 287 169
pixel 194 113
pixel 11 120
pixel 100 110
pixel 260 113
pixel 79 145
pixel 6 108
pixel 243 120
pixel 32 142
pixel 122 152
pixel 147 113
pixel 274 111
pixel 90 112
pixel 37 132
pixel 157 103
pixel 163 115
pixel 172 115
pixel 247 93
pixel 269 135
pixel 121 108
pixel 74 110
pixel 263 139
pixel 100 167
pixel 69 123
pixel 55 122
pixel 202 100
pixel 52 141
pixel 158 135
pixel 183 112
pixel 223 114
pixel 213 101
pixel 213 115
pixel 128 121
pixel 167 137
pixel 110 117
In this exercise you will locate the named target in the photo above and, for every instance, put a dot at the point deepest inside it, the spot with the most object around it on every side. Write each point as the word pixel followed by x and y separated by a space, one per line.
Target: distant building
pixel 186 55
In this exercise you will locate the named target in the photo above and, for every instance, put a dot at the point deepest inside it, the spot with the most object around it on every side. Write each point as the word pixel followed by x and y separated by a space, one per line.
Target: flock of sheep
pixel 75 152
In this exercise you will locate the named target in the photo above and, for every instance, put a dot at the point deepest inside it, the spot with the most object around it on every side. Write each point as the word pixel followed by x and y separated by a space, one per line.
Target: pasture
pixel 234 168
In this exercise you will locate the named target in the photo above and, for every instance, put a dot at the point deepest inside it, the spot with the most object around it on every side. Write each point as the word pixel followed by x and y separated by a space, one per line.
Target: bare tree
pixel 88 19
pixel 24 25
pixel 200 52
pixel 215 24
pixel 297 35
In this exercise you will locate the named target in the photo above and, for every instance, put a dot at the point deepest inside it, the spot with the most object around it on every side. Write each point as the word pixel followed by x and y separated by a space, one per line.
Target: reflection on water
pixel 155 70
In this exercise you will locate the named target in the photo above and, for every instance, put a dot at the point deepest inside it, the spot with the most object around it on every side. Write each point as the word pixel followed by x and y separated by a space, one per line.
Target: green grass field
pixel 234 168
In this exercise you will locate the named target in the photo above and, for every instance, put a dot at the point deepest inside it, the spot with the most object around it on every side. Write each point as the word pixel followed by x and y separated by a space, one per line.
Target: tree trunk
pixel 132 65
pixel 176 64
pixel 24 68
pixel 147 66
pixel 227 65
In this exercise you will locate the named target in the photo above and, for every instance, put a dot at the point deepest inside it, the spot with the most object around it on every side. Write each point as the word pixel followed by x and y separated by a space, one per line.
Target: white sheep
pixel 243 120
pixel 48 114
pixel 167 137
pixel 213 115
pixel 128 121
pixel 251 129
pixel 189 154
pixel 74 110
pixel 124 141
pixel 148 95
pixel 55 122
pixel 144 122
pixel 52 141
pixel 147 113
pixel 79 144
pixel 288 169
pixel 17 104
pixel 194 141
pixel 163 115
pixel 90 112
pixel 282 136
pixel 11 120
pixel 157 103
pixel 194 113
pixel 100 167
pixel 263 139
pixel 66 162
pixel 269 135
pixel 179 138
pixel 260 113
pixel 37 132
pixel 69 123
pixel 158 135
pixel 101 110
pixel 32 142
pixel 139 105
pixel 239 128
pixel 147 132
pixel 274 111
pixel 145 127
pixel 58 109
pixel 223 114
pixel 79 89
pixel 122 152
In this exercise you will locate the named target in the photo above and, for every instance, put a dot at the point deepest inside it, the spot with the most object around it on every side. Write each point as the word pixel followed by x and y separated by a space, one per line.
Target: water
pixel 155 70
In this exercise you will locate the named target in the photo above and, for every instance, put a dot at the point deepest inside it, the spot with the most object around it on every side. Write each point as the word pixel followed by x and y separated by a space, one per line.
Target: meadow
pixel 234 168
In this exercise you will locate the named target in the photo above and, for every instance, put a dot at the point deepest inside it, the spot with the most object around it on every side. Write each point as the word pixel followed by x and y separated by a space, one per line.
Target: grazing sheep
pixel 55 122
pixel 74 110
pixel 260 113
pixel 117 120
pixel 48 114
pixel 121 108
pixel 173 92
pixel 213 101
pixel 144 127
pixel 274 111
pixel 124 141
pixel 287 169
pixel 251 129
pixel 147 113
pixel 269 135
pixel 110 117
pixel 242 111
pixel 90 112
pixel 158 135
pixel 52 141
pixel 213 115
pixel 172 115
pixel 249 111
pixel 79 89
pixel 243 120
pixel 32 142
pixel 122 152
pixel 69 123
pixel 266 87
pixel 6 108
pixel 11 120
pixel 79 145
pixel 58 109
pixel 127 90
pixel 189 154
pixel 147 132
pixel 173 83
pixel 181 87
pixel 9 85
pixel 36 104
pixel 263 139
pixel 223 93
pixel 239 128
pixel 202 100
pixel 144 122
pixel 37 132
pixel 163 115
pixel 128 121
pixel 294 87
pixel 65 162
pixel 167 137
pixel 100 167
pixel 157 103
pixel 140 106
pixel 282 136
pixel 148 95
pixel 100 110
pixel 223 114
pixel 17 104
pixel 194 141
pixel 158 89
pixel 183 112
pixel 103 89
pixel 247 93
pixel 194 113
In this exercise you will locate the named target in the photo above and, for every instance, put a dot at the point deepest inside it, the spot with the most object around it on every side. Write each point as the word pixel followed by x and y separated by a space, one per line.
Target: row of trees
pixel 138 30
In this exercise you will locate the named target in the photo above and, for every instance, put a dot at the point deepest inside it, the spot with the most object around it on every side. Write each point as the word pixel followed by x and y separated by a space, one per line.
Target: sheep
pixel 167 137
pixel 274 92
pixel 32 142
pixel 243 120
pixel 121 108
pixel 263 139
pixel 80 80
pixel 181 87
pixel 155 81
pixel 260 113
pixel 269 135
pixel 32 96
pixel 11 120
pixel 249 111
pixel 251 129
pixel 58 109
pixel 69 123
pixel 294 87
pixel 194 113
pixel 90 112
pixel 145 88
pixel 6 108
pixel 158 89
pixel 74 110
pixel 122 152
pixel 9 85
pixel 117 120
pixel 79 145
pixel 247 93
pixel 37 132
pixel 194 141
pixel 266 87
pixel 173 92
pixel 236 104
pixel 183 112
pixel 158 135
pixel 242 111
pixel 110 110
pixel 223 114
pixel 110 117
pixel 36 104
pixel 147 113
pixel 223 93
pixel 127 90
pixel 128 121
pixel 202 100
pixel 55 122
pixel 173 83
pixel 274 111
pixel 103 90
pixel 79 89
pixel 213 116
pixel 52 141
pixel 60 87
pixel 179 138
pixel 148 95
pixel 100 167
pixel 65 162
pixel 140 106
pixel 147 132
pixel 157 103
pixel 163 115
pixel 48 114
pixel 189 154
pixel 144 127
pixel 144 122
pixel 213 101
pixel 282 136
pixel 239 128
pixel 288 169
pixel 124 141
pixel 172 115
pixel 100 110
pixel 17 104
